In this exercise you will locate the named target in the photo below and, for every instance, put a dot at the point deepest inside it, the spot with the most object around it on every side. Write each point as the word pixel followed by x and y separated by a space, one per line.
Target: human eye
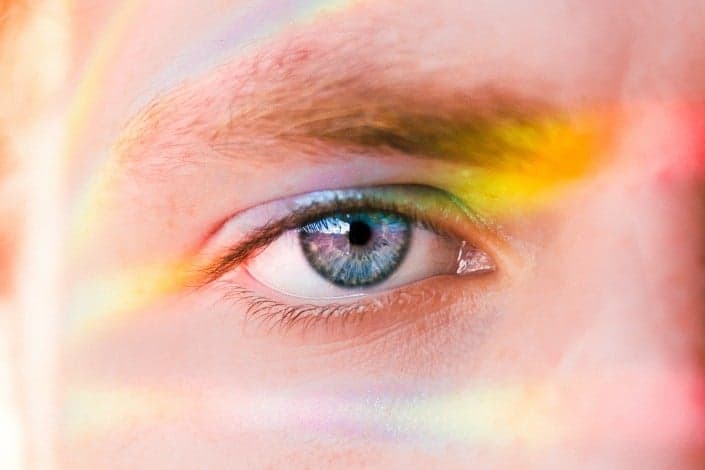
pixel 344 255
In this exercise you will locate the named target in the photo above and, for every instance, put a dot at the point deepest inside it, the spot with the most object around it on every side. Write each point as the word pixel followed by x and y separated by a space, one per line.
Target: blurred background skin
pixel 33 61
pixel 596 361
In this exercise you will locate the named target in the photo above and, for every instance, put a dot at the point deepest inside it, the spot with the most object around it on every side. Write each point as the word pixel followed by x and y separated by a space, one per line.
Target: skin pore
pixel 573 134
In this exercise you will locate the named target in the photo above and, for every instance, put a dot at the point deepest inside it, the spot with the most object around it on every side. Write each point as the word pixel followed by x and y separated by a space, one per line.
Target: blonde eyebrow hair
pixel 459 128
pixel 346 112
pixel 303 97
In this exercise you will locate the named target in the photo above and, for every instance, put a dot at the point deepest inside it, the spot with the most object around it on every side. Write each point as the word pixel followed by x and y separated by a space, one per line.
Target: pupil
pixel 360 233
pixel 356 249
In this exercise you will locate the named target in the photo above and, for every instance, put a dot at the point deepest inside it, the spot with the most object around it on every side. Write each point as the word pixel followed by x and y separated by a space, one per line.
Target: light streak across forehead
pixel 99 305
pixel 233 32
pixel 88 90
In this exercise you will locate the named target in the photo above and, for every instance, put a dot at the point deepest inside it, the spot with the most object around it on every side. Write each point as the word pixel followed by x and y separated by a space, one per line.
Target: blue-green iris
pixel 356 249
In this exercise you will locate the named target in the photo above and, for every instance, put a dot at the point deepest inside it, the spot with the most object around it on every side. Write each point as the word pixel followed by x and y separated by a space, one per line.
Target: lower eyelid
pixel 267 313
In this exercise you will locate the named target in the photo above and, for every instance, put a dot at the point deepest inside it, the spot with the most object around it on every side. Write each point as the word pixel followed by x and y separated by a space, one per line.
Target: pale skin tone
pixel 582 349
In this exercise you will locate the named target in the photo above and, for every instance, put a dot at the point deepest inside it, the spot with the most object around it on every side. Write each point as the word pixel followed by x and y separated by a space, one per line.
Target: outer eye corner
pixel 473 260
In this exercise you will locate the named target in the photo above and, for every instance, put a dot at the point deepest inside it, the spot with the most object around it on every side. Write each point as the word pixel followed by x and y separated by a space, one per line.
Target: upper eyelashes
pixel 255 228
pixel 338 243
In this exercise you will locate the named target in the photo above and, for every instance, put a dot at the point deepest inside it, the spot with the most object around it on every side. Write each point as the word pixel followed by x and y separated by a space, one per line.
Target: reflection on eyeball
pixel 362 252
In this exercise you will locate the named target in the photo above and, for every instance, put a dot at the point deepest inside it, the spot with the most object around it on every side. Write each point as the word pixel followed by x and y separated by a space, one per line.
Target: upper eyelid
pixel 261 236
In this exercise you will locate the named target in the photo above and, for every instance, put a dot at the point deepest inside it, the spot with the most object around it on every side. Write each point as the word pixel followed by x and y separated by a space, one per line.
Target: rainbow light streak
pixel 534 162
pixel 233 32
pixel 532 416
pixel 229 36
pixel 491 416
pixel 99 305
pixel 87 93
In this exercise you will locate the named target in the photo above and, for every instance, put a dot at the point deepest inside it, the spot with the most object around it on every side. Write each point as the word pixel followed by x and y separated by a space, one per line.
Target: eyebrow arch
pixel 247 109
pixel 486 129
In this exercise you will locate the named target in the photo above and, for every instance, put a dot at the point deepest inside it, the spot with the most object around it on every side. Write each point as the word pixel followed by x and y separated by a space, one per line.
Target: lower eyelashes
pixel 356 249
pixel 335 321
pixel 344 256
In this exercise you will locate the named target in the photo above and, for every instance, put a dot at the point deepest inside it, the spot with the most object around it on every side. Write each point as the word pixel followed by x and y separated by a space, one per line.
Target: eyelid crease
pixel 364 199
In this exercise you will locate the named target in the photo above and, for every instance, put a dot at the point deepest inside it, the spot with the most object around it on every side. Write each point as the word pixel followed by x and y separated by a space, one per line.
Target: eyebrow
pixel 481 129
pixel 300 97
pixel 472 131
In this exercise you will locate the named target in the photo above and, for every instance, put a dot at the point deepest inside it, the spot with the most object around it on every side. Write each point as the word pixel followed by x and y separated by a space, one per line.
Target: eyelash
pixel 270 314
pixel 268 233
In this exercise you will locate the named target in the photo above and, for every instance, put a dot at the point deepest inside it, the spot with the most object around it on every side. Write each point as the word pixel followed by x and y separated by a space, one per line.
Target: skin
pixel 583 350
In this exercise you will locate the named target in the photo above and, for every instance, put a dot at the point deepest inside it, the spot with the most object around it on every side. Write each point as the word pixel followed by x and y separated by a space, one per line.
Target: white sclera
pixel 283 267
